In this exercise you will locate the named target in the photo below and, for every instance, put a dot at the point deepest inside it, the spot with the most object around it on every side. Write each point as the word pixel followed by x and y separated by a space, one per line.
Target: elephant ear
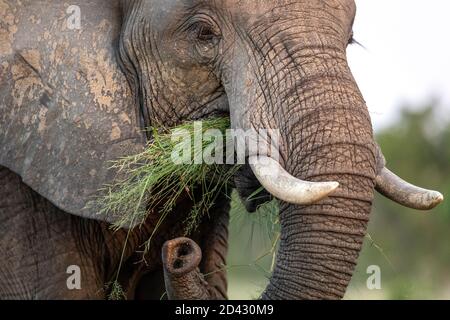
pixel 66 109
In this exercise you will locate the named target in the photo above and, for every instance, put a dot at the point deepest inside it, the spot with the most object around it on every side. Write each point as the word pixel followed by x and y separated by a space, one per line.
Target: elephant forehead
pixel 316 13
pixel 251 7
pixel 245 14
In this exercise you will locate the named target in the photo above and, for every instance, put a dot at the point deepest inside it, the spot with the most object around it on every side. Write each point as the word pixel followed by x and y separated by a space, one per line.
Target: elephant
pixel 80 83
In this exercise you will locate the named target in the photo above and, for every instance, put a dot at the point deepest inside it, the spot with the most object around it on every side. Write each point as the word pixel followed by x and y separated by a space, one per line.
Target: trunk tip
pixel 181 256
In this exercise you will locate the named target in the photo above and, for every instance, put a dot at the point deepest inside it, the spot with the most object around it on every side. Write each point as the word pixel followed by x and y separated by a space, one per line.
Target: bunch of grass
pixel 116 291
pixel 153 182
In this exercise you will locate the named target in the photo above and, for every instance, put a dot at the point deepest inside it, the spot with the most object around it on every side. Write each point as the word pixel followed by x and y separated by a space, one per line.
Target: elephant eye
pixel 206 33
pixel 203 36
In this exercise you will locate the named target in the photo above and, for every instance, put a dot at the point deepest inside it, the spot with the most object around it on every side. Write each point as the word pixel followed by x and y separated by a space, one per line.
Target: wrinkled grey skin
pixel 72 100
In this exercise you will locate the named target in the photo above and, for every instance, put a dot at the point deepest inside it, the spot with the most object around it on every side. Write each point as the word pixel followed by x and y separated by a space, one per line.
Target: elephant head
pixel 276 64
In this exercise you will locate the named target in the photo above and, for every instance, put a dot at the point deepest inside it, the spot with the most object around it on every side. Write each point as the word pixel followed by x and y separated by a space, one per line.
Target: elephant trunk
pixel 181 260
pixel 325 136
pixel 182 276
pixel 320 242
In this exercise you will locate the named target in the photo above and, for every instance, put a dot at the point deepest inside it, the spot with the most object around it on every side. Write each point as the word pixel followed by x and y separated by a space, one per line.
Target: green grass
pixel 153 183
pixel 116 291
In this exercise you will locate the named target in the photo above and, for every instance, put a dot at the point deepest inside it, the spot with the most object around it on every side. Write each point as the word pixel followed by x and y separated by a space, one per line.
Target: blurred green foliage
pixel 412 248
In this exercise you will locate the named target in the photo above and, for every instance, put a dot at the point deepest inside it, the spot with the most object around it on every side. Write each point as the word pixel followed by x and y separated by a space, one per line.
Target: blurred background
pixel 403 70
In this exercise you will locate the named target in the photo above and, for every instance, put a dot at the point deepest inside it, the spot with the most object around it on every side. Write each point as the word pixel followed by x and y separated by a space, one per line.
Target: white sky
pixel 407 55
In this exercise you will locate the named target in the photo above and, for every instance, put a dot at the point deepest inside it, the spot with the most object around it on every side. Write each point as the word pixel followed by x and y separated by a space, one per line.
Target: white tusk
pixel 404 193
pixel 284 186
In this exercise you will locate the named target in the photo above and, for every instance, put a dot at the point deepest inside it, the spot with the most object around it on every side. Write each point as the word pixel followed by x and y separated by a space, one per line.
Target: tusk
pixel 404 193
pixel 284 186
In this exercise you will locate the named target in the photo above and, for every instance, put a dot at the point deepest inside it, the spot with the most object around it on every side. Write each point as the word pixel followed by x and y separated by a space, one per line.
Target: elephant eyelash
pixel 205 32
pixel 353 41
pixel 202 28
pixel 352 38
